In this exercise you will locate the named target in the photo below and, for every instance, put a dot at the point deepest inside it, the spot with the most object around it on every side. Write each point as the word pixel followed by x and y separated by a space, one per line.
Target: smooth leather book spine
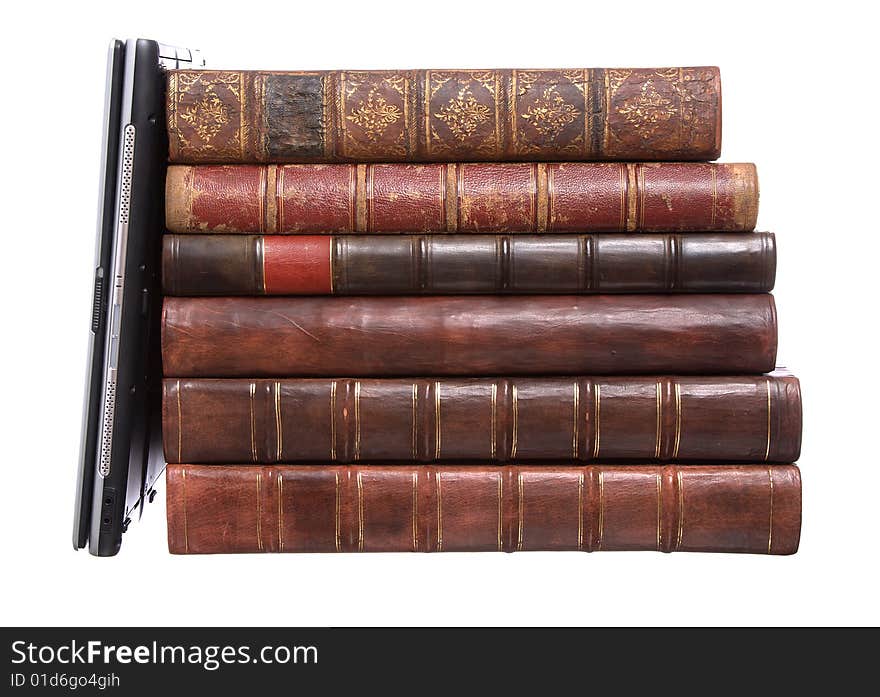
pixel 440 115
pixel 202 265
pixel 724 508
pixel 514 197
pixel 698 334
pixel 343 420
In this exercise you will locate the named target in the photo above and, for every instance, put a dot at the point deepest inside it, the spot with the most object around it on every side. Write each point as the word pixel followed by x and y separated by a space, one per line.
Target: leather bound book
pixel 724 418
pixel 247 508
pixel 439 115
pixel 465 264
pixel 468 197
pixel 469 335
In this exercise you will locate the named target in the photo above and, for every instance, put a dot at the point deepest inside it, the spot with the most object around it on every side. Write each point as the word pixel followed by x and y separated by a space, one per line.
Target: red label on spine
pixel 297 265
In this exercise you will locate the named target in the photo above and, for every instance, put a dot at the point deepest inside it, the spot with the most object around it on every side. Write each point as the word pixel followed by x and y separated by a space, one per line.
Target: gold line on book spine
pixel 500 510
pixel 680 510
pixel 519 535
pixel 659 510
pixel 597 405
pixel 360 488
pixel 439 512
pixel 264 175
pixel 357 420
pixel 415 508
pixel 601 509
pixel 280 512
pixel 437 430
pixel 574 427
pixel 770 533
pixel 183 492
pixel 515 425
pixel 259 512
pixel 632 197
pixel 659 420
pixel 415 397
pixel 253 392
pixel 677 420
pixel 338 512
pixel 279 198
pixel 541 195
pixel 580 537
pixel 278 425
pixel 243 114
pixel 767 449
pixel 179 426
pixel 333 419
pixel 361 198
pixel 494 420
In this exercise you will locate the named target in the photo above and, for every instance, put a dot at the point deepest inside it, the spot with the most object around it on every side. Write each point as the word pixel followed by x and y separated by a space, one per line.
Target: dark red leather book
pixel 247 508
pixel 469 335
pixel 473 197
pixel 723 418
pixel 438 115
pixel 466 264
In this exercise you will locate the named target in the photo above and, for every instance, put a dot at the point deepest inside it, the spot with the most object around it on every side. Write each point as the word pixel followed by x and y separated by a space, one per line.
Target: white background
pixel 800 99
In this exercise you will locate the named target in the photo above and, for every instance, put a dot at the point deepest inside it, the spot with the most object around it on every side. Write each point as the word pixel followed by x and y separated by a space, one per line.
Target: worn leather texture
pixel 202 265
pixel 469 335
pixel 557 197
pixel 439 115
pixel 247 508
pixel 724 418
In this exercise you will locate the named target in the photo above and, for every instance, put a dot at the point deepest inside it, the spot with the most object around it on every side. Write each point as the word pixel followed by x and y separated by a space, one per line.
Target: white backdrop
pixel 800 99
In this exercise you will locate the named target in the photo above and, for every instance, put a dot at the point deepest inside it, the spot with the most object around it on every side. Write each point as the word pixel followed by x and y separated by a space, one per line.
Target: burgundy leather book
pixel 466 197
pixel 469 335
pixel 466 264
pixel 247 508
pixel 722 418
pixel 437 115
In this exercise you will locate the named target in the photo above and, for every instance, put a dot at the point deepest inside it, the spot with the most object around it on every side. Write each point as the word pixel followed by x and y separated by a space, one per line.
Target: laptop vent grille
pixel 127 162
pixel 96 304
pixel 107 430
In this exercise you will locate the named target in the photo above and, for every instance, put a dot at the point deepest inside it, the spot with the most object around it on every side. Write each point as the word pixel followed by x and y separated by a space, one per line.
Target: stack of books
pixel 469 310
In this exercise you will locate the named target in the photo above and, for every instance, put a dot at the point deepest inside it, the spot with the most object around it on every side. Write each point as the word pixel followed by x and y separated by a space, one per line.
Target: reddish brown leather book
pixel 474 197
pixel 438 115
pixel 247 508
pixel 469 335
pixel 726 418
pixel 465 264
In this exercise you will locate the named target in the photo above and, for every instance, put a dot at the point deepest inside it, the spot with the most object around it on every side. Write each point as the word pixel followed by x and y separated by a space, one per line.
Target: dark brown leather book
pixel 247 508
pixel 469 335
pixel 437 115
pixel 733 419
pixel 466 264
pixel 512 197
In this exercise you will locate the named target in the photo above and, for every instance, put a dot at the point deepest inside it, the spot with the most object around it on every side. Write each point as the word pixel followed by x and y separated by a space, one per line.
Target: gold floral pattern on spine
pixel 646 110
pixel 549 113
pixel 206 114
pixel 668 109
pixel 206 117
pixel 462 114
pixel 374 115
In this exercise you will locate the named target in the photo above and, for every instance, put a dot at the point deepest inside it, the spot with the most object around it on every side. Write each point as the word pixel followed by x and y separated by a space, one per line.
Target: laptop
pixel 120 449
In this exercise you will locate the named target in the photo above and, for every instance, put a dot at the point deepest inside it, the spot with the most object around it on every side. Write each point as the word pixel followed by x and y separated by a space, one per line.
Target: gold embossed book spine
pixel 444 115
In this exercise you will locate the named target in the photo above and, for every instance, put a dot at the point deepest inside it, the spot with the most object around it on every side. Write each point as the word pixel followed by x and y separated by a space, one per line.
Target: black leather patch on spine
pixel 294 117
